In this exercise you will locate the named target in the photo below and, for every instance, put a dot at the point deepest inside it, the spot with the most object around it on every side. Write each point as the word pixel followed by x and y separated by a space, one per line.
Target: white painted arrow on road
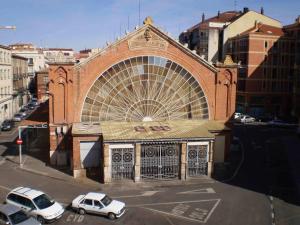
pixel 199 191
pixel 144 194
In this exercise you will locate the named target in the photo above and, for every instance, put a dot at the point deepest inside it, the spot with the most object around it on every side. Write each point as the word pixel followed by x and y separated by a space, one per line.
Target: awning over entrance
pixel 151 130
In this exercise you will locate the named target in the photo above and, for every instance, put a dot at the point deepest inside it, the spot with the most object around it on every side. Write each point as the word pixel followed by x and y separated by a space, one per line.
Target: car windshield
pixel 43 201
pixel 18 217
pixel 106 200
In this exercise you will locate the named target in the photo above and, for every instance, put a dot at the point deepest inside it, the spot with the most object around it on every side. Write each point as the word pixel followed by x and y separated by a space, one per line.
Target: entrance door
pixel 160 161
pixel 197 159
pixel 122 161
pixel 90 154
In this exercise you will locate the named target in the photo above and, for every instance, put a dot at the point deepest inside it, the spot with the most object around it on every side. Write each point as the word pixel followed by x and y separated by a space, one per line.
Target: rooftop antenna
pixel 128 23
pixel 139 12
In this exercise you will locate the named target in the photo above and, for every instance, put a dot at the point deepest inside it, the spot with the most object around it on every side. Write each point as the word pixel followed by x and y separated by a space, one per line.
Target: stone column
pixel 137 163
pixel 106 164
pixel 183 171
pixel 210 158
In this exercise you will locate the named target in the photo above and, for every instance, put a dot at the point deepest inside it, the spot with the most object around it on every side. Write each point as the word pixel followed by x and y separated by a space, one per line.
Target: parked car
pixel 18 117
pixel 246 119
pixel 237 115
pixel 263 118
pixel 7 125
pixel 10 214
pixel 31 106
pixel 98 203
pixel 36 203
pixel 23 112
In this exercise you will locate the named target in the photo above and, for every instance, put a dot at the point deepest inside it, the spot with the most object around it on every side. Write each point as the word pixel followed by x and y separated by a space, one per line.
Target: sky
pixel 82 24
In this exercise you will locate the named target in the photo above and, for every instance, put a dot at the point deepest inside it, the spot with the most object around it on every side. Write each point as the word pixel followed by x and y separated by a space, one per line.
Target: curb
pixel 40 173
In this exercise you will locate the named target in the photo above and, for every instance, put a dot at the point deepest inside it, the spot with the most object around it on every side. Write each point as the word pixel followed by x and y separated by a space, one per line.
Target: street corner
pixel 198 211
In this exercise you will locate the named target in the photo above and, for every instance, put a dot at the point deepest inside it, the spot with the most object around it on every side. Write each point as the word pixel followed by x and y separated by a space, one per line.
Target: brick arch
pixel 91 70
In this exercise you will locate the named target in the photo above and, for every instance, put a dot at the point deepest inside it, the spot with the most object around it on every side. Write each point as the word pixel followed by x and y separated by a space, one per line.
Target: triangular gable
pixel 149 36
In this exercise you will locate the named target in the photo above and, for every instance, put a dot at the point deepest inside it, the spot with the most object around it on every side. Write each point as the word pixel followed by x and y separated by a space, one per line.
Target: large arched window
pixel 145 88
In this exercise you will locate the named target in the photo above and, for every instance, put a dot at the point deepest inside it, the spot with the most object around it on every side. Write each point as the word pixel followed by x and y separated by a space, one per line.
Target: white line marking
pixel 199 191
pixel 169 203
pixel 145 194
pixel 5 188
pixel 170 214
pixel 212 210
pixel 183 217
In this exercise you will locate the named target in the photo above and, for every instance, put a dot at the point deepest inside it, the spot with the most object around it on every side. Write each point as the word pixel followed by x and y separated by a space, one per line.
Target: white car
pixel 237 115
pixel 35 203
pixel 247 119
pixel 98 203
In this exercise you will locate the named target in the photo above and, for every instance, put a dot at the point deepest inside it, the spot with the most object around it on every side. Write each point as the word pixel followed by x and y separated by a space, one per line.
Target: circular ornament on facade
pixel 116 157
pixel 202 153
pixel 192 154
pixel 127 157
pixel 170 151
pixel 150 152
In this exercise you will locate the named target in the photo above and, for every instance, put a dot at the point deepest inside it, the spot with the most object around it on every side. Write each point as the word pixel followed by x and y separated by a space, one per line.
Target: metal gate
pixel 160 161
pixel 122 160
pixel 197 159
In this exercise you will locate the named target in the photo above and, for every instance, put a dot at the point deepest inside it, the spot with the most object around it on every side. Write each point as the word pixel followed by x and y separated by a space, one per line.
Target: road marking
pixel 144 194
pixel 200 215
pixel 5 188
pixel 199 191
pixel 169 203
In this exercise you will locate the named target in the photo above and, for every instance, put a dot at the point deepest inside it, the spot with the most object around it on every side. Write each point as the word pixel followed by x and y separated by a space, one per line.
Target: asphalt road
pixel 243 200
pixel 200 201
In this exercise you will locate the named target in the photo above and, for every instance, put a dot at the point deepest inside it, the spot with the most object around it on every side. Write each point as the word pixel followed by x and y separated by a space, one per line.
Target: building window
pixel 266 44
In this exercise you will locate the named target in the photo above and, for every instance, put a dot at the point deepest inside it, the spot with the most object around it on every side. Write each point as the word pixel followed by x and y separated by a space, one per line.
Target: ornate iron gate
pixel 122 160
pixel 160 161
pixel 197 160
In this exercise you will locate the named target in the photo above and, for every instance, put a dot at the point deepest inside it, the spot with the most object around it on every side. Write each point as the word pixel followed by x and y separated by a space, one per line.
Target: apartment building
pixel 20 82
pixel 210 37
pixel 265 78
pixel 293 30
pixel 6 83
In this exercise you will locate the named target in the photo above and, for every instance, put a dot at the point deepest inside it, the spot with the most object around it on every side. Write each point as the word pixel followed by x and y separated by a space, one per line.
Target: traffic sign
pixel 19 141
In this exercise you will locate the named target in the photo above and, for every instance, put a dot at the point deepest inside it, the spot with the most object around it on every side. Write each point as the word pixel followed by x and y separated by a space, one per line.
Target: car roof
pixel 95 195
pixel 8 209
pixel 27 192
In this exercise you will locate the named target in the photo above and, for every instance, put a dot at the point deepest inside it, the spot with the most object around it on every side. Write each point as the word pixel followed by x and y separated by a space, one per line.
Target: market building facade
pixel 145 107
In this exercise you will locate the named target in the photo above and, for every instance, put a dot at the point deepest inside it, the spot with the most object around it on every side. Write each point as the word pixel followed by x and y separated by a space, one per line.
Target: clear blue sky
pixel 83 24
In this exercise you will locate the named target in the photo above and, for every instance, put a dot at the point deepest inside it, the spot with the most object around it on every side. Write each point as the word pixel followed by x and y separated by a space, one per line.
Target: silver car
pixel 10 214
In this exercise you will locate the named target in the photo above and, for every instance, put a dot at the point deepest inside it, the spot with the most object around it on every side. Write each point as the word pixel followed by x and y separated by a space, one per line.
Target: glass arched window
pixel 145 88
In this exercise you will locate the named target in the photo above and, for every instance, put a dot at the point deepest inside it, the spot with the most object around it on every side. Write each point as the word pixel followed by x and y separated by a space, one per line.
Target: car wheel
pixel 41 219
pixel 81 211
pixel 111 216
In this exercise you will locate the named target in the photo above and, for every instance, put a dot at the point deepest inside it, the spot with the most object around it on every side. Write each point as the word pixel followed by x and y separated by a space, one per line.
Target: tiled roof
pixel 128 131
pixel 264 29
pixel 224 17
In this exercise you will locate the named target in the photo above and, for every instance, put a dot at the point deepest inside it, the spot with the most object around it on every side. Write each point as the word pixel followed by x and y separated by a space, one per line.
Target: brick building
pixel 293 30
pixel 145 107
pixel 209 38
pixel 42 83
pixel 265 78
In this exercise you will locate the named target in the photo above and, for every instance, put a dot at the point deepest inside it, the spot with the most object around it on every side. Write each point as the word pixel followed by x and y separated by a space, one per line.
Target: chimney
pixel 218 13
pixel 203 17
pixel 262 11
pixel 246 9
